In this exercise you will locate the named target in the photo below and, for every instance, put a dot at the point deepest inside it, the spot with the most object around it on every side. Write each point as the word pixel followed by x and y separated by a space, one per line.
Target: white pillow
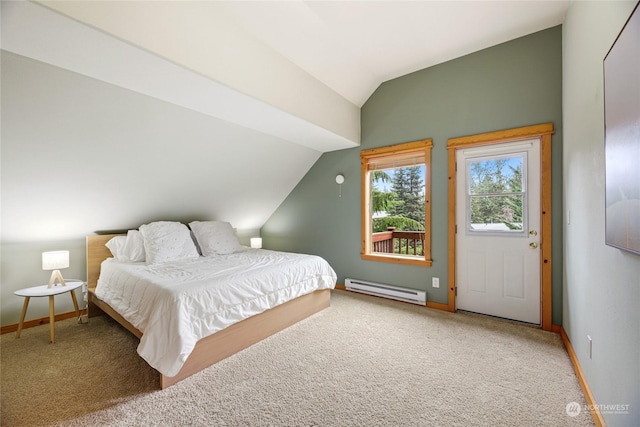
pixel 166 241
pixel 215 237
pixel 116 245
pixel 129 248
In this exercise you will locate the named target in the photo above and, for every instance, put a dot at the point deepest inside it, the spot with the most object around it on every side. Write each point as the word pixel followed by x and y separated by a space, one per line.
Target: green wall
pixel 602 285
pixel 514 84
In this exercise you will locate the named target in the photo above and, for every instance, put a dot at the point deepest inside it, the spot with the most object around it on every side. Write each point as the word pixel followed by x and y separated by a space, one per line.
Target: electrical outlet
pixel 435 282
pixel 590 346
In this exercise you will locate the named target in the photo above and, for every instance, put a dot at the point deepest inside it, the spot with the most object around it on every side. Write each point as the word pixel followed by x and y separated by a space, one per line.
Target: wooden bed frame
pixel 220 345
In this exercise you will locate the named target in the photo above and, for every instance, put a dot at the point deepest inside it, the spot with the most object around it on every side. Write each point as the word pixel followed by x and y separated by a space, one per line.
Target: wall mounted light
pixel 256 242
pixel 339 181
pixel 55 260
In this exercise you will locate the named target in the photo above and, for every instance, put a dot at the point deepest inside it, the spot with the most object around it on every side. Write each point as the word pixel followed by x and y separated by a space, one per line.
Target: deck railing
pixel 398 242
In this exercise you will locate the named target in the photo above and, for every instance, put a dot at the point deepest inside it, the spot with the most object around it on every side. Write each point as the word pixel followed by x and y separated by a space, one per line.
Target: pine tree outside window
pixel 396 210
pixel 496 194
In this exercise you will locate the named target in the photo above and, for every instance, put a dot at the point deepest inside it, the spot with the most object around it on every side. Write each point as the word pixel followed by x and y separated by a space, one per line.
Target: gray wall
pixel 514 84
pixel 602 284
pixel 80 155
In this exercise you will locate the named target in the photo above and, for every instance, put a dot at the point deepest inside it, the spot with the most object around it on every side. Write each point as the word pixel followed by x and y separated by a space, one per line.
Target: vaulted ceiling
pixel 296 70
pixel 281 82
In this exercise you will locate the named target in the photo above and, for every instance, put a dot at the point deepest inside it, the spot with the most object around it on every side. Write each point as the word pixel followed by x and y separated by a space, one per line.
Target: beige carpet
pixel 363 362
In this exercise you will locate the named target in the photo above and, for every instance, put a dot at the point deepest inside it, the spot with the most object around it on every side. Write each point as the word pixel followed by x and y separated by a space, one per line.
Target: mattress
pixel 175 304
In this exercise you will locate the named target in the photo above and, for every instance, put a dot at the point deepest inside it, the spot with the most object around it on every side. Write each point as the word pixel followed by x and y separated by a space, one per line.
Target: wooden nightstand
pixel 44 291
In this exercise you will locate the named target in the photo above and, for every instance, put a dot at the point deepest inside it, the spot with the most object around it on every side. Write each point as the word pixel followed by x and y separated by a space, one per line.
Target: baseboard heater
pixel 386 291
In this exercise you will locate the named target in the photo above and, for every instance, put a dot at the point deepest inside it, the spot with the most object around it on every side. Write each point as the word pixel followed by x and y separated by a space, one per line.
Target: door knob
pixel 533 245
pixel 533 233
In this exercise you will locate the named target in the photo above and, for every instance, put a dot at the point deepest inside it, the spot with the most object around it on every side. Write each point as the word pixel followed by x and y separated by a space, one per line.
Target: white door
pixel 498 230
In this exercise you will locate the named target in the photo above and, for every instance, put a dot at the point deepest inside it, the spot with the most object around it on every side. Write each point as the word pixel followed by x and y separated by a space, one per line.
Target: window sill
pixel 398 259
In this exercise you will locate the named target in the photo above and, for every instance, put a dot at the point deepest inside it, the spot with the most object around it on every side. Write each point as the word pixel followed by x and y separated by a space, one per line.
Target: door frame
pixel 543 132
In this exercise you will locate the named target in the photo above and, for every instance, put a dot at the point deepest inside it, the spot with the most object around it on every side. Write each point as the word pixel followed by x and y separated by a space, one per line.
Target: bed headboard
pixel 96 253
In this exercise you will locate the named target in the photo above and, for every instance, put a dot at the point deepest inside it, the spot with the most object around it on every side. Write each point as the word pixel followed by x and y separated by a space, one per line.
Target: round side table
pixel 45 291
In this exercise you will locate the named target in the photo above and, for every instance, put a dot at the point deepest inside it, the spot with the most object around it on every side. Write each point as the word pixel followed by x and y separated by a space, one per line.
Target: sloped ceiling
pixel 297 70
pixel 292 74
pixel 160 49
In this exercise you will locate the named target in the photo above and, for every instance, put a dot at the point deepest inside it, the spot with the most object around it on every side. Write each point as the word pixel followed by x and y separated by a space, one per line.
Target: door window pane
pixel 496 193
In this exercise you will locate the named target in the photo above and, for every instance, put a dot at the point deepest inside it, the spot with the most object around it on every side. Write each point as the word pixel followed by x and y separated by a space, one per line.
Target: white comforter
pixel 176 304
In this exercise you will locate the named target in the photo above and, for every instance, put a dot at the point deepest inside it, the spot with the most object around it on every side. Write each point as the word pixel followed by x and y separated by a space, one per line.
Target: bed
pixel 141 297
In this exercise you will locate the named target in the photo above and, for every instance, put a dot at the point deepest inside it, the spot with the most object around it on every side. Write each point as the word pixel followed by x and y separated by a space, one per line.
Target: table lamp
pixel 55 260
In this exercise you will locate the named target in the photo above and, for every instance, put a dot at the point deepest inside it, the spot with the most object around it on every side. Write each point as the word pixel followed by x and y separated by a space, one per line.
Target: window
pixel 396 209
pixel 496 194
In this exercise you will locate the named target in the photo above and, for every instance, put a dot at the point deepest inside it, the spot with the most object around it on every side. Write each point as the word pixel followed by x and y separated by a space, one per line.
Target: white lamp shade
pixel 256 242
pixel 55 260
